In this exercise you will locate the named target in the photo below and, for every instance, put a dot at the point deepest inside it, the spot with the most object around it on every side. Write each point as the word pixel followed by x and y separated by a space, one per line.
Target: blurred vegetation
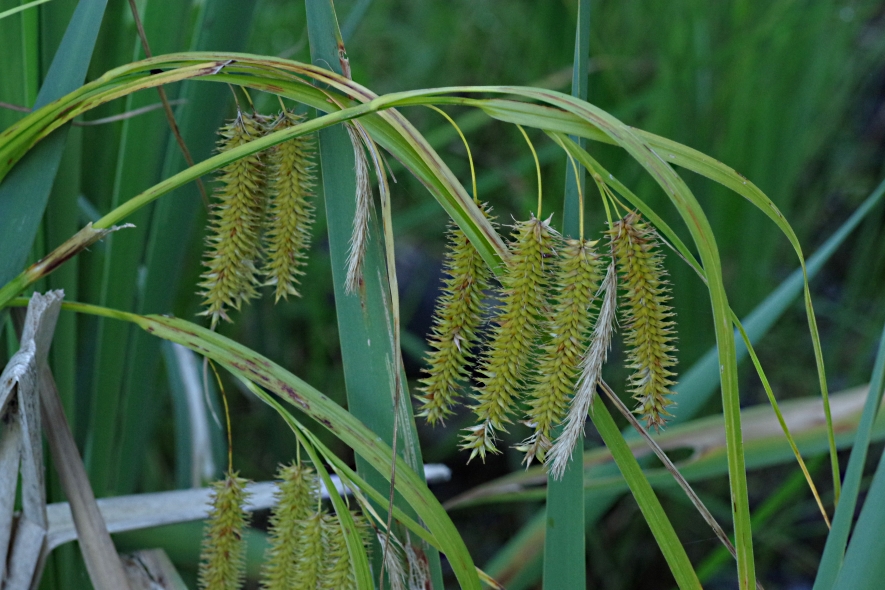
pixel 791 93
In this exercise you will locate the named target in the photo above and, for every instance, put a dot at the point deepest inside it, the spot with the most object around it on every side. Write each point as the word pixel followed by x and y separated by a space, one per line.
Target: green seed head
pixel 290 185
pixel 297 497
pixel 337 572
pixel 523 302
pixel 233 243
pixel 222 561
pixel 455 327
pixel 649 332
pixel 576 282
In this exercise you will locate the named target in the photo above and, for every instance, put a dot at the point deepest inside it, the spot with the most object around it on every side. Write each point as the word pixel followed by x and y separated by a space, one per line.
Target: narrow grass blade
pixel 222 23
pixel 648 502
pixel 244 362
pixel 564 552
pixel 18 9
pixel 866 548
pixel 25 191
pixel 368 332
pixel 140 155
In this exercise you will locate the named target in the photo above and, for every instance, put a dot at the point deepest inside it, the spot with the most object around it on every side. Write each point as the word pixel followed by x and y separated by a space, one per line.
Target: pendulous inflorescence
pixel 456 323
pixel 261 210
pixel 645 317
pixel 290 182
pixel 576 282
pixel 234 241
pixel 297 497
pixel 505 364
pixel 222 561
pixel 307 545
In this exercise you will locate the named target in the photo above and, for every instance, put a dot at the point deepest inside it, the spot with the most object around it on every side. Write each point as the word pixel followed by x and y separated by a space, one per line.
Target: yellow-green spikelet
pixel 297 497
pixel 337 572
pixel 576 282
pixel 308 562
pixel 233 243
pixel 290 184
pixel 645 317
pixel 456 321
pixel 505 362
pixel 223 558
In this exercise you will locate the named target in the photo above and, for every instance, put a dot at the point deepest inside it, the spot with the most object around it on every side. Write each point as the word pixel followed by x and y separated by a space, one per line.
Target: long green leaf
pixel 221 24
pixel 564 553
pixel 862 566
pixel 18 9
pixel 142 146
pixel 367 329
pixel 243 362
pixel 25 190
pixel 648 502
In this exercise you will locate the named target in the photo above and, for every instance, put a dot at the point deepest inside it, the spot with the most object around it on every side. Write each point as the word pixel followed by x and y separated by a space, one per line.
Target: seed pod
pixel 233 243
pixel 290 183
pixel 505 362
pixel 456 321
pixel 645 317
pixel 576 282
pixel 223 558
pixel 297 497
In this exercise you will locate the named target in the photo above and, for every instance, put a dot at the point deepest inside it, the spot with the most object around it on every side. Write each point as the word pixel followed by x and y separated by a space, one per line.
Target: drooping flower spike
pixel 290 182
pixel 505 364
pixel 456 324
pixel 645 316
pixel 576 283
pixel 234 240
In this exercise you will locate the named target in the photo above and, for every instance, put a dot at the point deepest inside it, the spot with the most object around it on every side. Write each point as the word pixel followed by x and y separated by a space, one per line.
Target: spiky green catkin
pixel 576 282
pixel 337 572
pixel 290 183
pixel 308 562
pixel 645 317
pixel 455 327
pixel 233 243
pixel 505 362
pixel 297 495
pixel 223 558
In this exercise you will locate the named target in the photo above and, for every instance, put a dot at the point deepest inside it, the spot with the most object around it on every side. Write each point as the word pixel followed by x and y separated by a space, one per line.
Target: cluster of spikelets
pixel 307 548
pixel 261 211
pixel 547 342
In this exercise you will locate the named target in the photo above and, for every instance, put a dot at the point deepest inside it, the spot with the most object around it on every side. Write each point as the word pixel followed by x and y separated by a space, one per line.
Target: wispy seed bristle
pixel 505 363
pixel 645 317
pixel 576 282
pixel 233 243
pixel 222 561
pixel 455 327
pixel 360 235
pixel 591 367
pixel 290 216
